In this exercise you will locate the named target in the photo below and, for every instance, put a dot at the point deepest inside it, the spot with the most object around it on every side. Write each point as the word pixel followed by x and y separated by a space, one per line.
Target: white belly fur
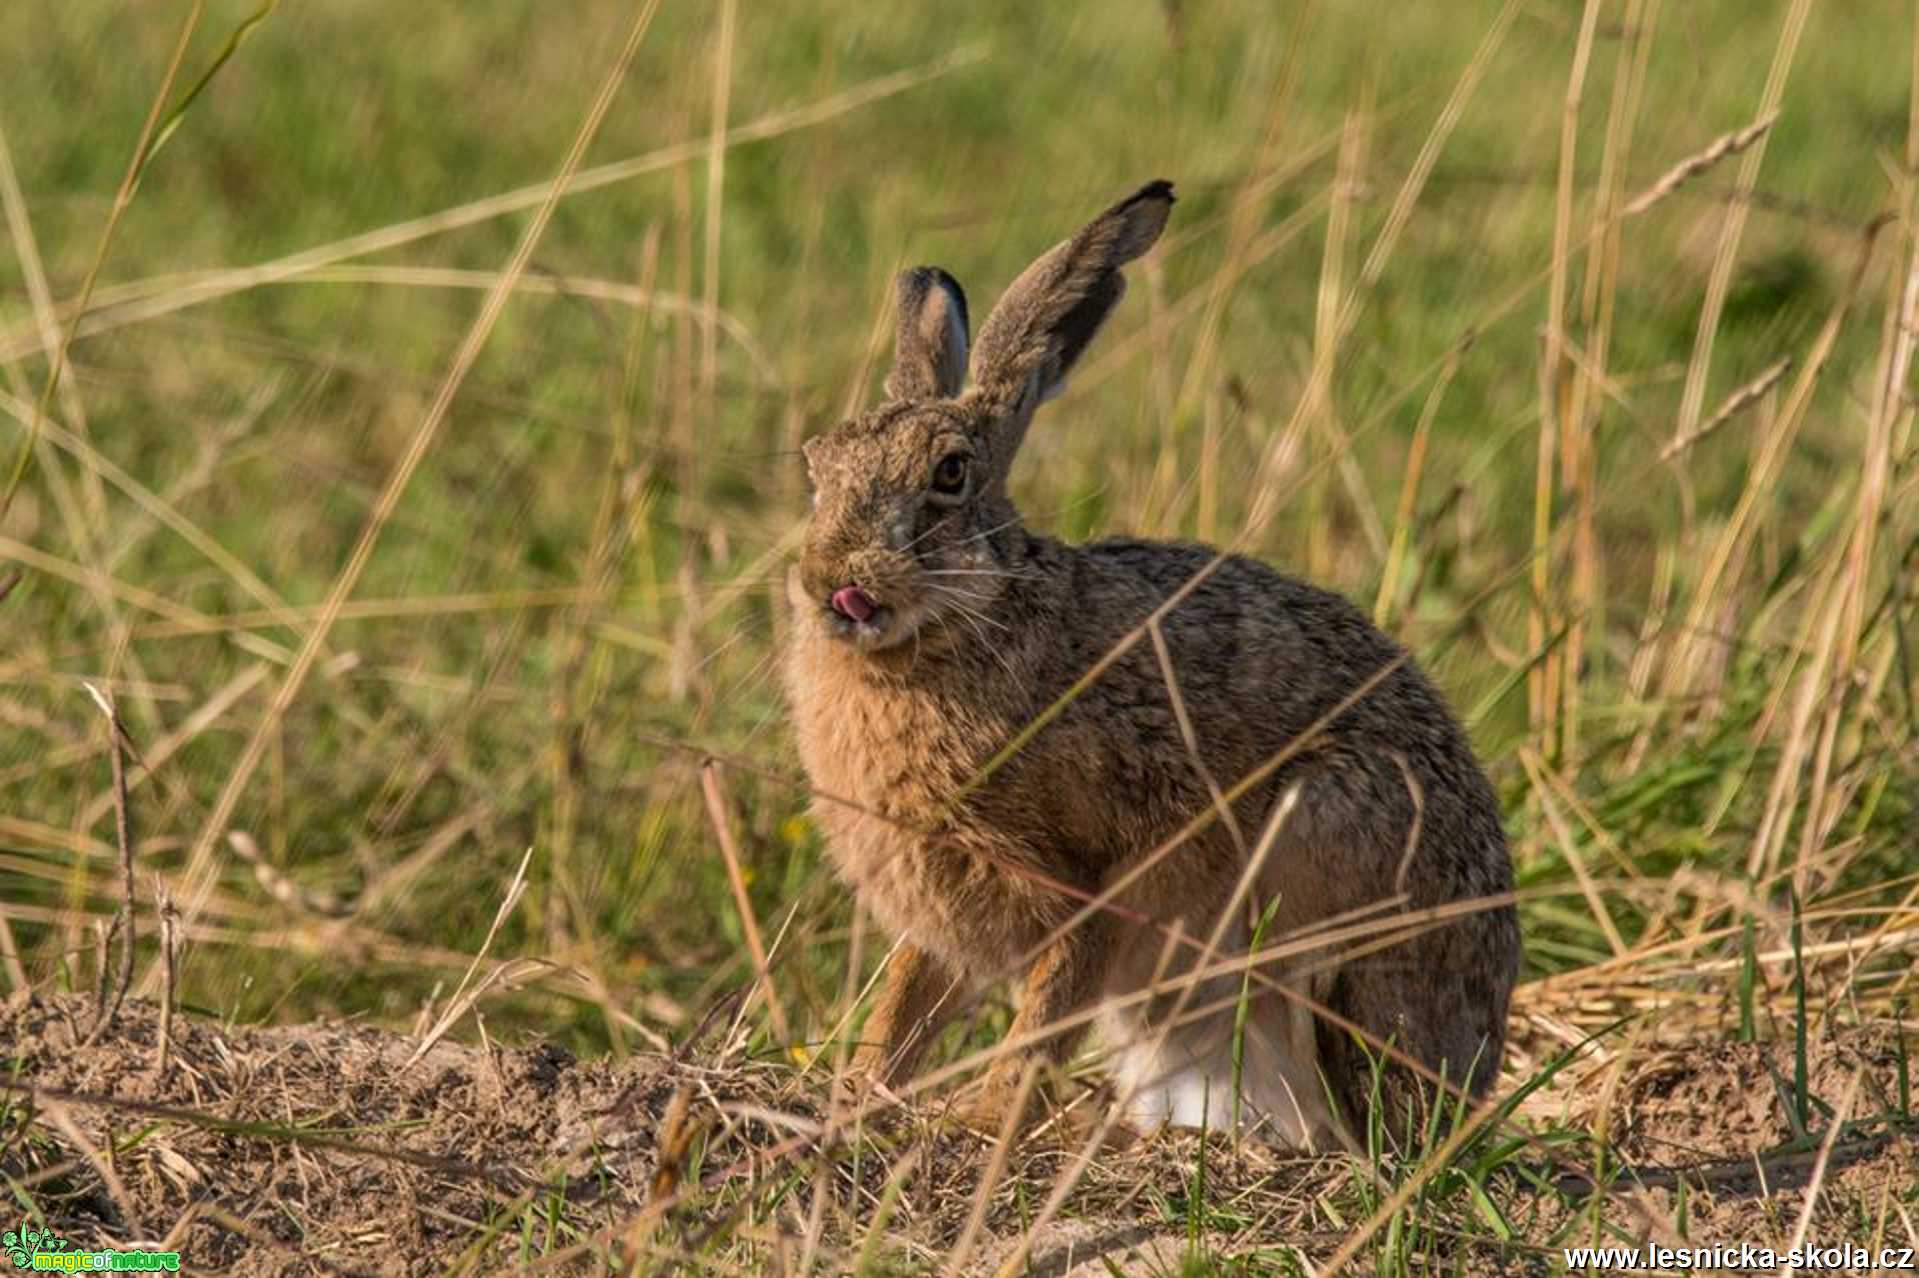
pixel 1181 1074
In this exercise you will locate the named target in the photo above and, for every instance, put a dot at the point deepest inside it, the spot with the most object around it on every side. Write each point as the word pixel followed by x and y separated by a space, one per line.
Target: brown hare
pixel 932 628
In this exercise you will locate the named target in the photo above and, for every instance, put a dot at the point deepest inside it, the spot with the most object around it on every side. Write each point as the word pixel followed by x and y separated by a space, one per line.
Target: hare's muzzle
pixel 854 604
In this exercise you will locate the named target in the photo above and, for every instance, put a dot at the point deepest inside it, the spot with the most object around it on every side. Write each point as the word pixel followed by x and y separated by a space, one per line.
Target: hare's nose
pixel 854 603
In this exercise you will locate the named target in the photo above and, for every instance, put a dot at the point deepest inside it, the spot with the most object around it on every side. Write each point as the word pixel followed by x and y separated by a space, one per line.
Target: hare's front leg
pixel 918 996
pixel 1065 979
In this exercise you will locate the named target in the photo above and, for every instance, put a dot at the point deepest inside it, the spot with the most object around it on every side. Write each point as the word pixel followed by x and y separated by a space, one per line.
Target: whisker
pixel 972 621
pixel 981 572
pixel 977 615
pixel 930 528
pixel 985 533
pixel 982 596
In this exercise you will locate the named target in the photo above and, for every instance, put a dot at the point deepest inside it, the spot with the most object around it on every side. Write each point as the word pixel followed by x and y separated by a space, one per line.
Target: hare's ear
pixel 1046 318
pixel 929 349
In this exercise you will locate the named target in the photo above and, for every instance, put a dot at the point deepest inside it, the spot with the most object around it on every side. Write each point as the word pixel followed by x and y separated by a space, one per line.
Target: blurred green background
pixel 577 598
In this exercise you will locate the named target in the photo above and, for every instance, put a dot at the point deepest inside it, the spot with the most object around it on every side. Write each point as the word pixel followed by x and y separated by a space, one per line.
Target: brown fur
pixel 984 624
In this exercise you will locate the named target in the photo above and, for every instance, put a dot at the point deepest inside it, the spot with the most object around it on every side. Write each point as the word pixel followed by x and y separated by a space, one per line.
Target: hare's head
pixel 911 523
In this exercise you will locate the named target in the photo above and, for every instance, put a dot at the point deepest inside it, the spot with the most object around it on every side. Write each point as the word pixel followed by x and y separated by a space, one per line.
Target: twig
pixel 8 580
pixel 169 919
pixel 102 959
pixel 123 833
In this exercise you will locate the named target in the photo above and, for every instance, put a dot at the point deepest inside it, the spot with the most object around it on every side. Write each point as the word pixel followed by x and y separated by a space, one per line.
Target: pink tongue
pixel 851 601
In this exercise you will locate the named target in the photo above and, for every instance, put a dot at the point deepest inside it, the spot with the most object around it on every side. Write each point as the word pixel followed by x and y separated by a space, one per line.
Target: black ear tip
pixel 930 277
pixel 944 279
pixel 1157 189
pixel 918 281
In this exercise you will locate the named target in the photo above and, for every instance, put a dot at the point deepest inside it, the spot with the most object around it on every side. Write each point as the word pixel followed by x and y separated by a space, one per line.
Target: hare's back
pixel 1262 659
pixel 1244 629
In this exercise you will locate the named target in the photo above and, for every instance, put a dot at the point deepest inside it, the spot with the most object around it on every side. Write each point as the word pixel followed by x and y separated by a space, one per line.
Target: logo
pixel 29 1248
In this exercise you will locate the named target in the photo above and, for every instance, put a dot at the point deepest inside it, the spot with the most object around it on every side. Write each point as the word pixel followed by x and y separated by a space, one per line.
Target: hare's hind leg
pixel 1433 1001
pixel 1284 1076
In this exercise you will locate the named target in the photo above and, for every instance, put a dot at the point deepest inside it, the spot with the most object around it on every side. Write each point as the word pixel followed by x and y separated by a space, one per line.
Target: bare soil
pixel 319 1149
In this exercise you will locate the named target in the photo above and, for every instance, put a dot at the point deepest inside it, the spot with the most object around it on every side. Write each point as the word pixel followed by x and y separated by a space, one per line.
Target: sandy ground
pixel 319 1149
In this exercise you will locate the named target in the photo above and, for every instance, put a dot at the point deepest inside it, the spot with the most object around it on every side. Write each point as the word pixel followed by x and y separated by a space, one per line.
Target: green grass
pixel 576 600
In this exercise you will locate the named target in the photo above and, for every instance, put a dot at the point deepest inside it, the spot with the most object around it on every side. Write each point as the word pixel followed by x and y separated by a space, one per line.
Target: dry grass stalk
pixel 1190 738
pixel 121 199
pixel 715 202
pixel 1268 172
pixel 93 462
pixel 674 1142
pixel 34 275
pixel 1107 898
pixel 123 836
pixel 1335 310
pixel 10 957
pixel 57 1113
pixel 1183 989
pixel 736 877
pixel 1328 337
pixel 1579 455
pixel 200 869
pixel 1753 151
pixel 994 1173
pixel 1543 681
pixel 1569 846
pixel 1817 1180
pixel 463 999
pixel 1409 492
pixel 639 297
pixel 203 717
pixel 1448 119
pixel 1734 404
pixel 1901 329
pixel 102 933
pixel 1271 169
pixel 1682 661
pixel 99 582
pixel 1693 165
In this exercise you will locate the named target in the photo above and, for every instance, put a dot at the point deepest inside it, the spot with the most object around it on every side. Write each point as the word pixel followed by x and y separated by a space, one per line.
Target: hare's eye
pixel 949 476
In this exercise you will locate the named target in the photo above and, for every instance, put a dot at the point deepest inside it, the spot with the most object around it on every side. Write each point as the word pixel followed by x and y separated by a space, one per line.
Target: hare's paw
pixel 864 1093
pixel 986 1110
pixel 984 1106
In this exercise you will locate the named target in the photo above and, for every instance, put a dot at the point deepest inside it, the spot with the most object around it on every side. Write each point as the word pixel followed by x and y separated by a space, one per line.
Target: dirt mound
pixel 321 1149
pixel 1711 1101
pixel 318 1148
